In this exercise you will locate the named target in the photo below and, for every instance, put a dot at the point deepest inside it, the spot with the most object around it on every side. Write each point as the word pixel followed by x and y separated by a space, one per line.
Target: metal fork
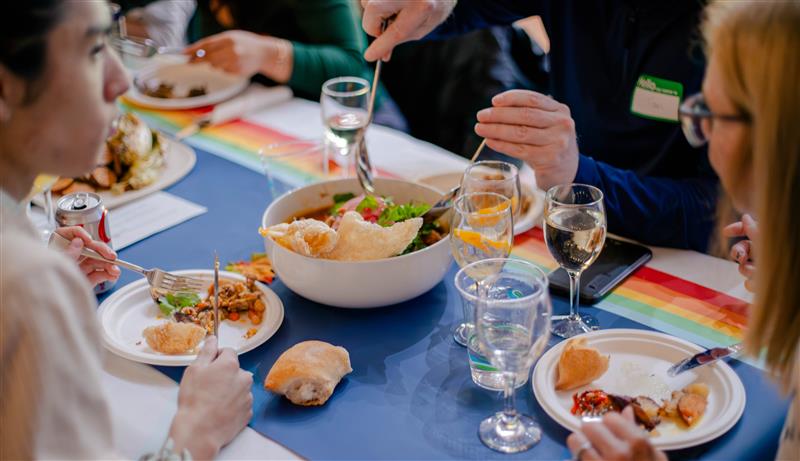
pixel 160 281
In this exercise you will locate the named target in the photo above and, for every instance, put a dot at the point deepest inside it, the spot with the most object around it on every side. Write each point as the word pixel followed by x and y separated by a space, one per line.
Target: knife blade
pixel 216 295
pixel 704 358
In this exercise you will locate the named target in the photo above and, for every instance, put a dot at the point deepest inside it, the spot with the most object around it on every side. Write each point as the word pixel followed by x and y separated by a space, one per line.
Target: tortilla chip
pixel 309 237
pixel 360 240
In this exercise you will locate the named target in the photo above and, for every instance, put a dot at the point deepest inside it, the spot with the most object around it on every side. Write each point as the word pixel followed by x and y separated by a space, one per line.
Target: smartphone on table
pixel 616 262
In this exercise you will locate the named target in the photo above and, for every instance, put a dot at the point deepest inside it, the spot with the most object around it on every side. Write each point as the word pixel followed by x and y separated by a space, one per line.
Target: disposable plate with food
pixel 638 366
pixel 183 86
pixel 126 314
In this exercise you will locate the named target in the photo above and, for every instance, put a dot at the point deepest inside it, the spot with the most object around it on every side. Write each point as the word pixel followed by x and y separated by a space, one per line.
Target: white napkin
pixel 253 99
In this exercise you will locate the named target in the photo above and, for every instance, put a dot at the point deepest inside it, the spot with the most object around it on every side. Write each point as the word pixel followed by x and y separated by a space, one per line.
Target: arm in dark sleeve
pixel 479 14
pixel 669 212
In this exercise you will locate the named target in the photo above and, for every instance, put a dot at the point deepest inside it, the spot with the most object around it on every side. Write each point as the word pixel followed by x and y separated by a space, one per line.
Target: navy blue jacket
pixel 658 190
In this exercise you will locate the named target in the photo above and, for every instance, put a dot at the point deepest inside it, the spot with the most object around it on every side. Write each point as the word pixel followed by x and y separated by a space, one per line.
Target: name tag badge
pixel 656 98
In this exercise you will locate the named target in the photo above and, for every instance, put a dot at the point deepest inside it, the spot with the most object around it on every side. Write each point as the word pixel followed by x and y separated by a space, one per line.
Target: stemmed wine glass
pixel 512 321
pixel 345 113
pixel 43 184
pixel 481 228
pixel 575 231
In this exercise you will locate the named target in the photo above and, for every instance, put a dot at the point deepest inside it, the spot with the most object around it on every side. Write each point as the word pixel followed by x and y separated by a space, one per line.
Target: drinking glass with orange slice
pixel 481 228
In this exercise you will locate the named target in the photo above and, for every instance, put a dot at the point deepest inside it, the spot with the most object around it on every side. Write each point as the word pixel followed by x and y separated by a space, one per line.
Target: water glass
pixel 345 114
pixel 494 176
pixel 512 321
pixel 482 372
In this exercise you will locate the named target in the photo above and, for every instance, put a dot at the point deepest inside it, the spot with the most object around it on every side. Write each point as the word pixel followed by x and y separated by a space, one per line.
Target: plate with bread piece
pixel 584 377
pixel 169 328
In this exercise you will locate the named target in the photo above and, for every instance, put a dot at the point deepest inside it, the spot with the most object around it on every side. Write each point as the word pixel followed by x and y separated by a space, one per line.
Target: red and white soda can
pixel 86 210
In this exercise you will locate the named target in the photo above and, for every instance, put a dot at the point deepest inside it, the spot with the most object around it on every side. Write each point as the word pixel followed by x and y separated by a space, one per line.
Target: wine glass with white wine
pixel 575 231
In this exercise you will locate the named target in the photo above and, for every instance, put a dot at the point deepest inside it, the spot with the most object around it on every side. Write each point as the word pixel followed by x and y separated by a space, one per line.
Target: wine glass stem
pixel 574 294
pixel 509 419
pixel 49 210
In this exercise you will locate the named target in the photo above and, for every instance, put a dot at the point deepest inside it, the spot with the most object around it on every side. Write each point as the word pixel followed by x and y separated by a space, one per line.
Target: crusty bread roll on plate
pixel 307 372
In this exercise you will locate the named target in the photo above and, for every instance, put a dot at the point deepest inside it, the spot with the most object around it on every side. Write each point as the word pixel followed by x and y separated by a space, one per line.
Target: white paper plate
pixel 126 313
pixel 445 181
pixel 179 159
pixel 638 366
pixel 219 85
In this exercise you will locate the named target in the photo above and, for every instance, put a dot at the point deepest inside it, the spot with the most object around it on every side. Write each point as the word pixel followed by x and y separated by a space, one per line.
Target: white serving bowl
pixel 355 284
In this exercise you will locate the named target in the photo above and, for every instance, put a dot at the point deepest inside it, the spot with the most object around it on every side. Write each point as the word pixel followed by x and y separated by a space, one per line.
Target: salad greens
pixel 369 203
pixel 174 302
pixel 339 200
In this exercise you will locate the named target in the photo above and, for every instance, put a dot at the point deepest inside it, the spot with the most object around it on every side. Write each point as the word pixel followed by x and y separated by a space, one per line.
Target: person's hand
pixel 94 270
pixel 413 19
pixel 237 52
pixel 215 402
pixel 742 251
pixel 616 438
pixel 536 129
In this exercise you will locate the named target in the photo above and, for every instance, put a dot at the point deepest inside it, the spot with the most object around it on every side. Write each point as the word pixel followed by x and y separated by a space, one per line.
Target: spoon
pixel 363 164
pixel 446 202
pixel 146 48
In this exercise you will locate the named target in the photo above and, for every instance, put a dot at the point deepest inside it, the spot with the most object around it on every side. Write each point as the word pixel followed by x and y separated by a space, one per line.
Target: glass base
pixel 523 434
pixel 566 327
pixel 461 334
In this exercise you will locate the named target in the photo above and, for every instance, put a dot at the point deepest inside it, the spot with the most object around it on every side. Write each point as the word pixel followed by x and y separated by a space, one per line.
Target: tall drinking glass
pixel 345 106
pixel 494 176
pixel 512 321
pixel 574 230
pixel 481 228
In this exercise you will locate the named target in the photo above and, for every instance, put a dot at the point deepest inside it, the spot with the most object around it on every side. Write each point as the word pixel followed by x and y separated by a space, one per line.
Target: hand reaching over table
pixel 94 270
pixel 245 53
pixel 215 402
pixel 616 438
pixel 536 129
pixel 414 19
pixel 742 251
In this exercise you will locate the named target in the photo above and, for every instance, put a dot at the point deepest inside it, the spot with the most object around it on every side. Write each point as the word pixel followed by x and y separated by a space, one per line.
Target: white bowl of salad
pixel 415 269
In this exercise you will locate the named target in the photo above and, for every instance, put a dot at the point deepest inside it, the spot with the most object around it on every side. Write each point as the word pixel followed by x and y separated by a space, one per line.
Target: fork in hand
pixel 160 281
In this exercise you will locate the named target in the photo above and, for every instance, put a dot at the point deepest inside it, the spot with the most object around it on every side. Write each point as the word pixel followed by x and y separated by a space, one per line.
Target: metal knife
pixel 704 358
pixel 216 295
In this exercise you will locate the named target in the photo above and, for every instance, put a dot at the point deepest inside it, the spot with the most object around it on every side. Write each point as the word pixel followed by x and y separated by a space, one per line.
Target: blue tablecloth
pixel 410 395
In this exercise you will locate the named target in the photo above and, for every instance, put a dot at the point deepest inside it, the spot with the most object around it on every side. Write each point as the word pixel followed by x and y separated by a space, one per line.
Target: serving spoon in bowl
pixel 446 202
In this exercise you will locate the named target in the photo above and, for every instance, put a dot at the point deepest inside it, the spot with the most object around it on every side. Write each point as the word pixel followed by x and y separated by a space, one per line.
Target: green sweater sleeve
pixel 334 46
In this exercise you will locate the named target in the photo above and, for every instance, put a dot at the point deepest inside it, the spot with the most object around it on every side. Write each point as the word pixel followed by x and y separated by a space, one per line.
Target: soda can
pixel 86 210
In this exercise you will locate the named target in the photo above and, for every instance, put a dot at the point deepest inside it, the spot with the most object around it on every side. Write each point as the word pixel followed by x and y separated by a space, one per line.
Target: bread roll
pixel 307 372
pixel 579 365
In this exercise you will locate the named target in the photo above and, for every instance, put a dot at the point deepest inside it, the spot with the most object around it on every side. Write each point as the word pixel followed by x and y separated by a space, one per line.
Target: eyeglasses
pixel 697 119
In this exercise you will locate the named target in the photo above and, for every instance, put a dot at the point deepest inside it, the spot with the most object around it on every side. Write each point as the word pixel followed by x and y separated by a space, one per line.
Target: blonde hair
pixel 757 48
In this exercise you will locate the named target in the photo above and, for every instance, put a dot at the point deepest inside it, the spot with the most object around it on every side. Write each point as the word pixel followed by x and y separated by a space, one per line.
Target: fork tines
pixel 173 282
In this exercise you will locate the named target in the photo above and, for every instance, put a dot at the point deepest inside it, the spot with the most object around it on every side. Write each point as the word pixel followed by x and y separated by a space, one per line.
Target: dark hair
pixel 24 26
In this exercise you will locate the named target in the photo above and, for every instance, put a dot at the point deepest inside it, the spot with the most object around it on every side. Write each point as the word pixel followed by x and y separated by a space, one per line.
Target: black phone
pixel 616 262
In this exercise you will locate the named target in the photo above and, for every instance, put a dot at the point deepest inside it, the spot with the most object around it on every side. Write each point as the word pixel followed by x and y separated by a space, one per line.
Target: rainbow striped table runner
pixel 242 142
pixel 659 300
